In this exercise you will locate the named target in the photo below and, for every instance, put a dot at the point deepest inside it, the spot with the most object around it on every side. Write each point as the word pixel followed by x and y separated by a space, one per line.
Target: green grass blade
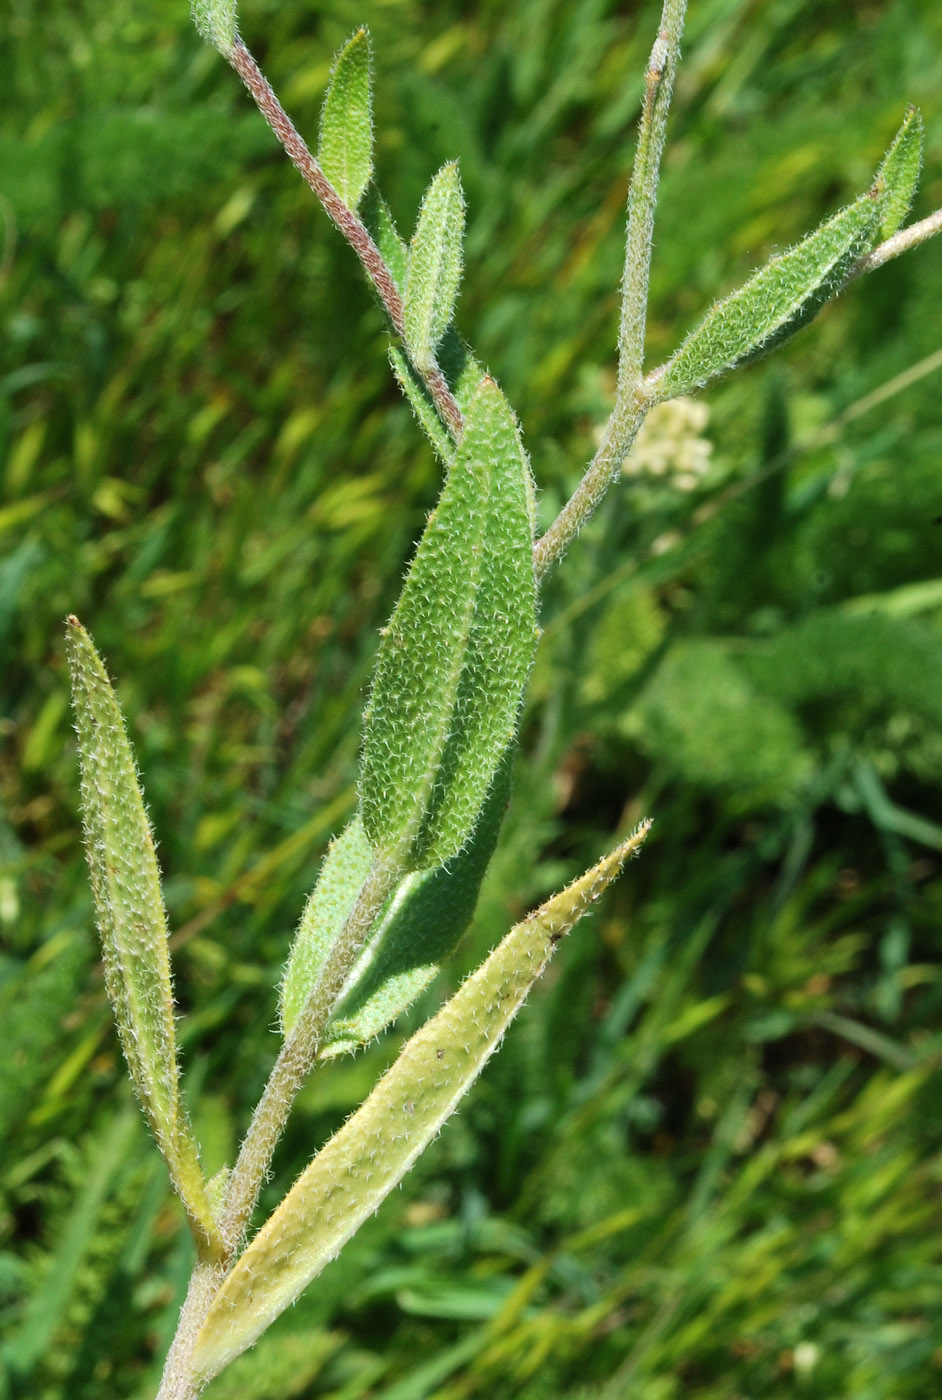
pixel 457 650
pixel 345 147
pixel 132 921
pixel 366 1159
pixel 45 1311
pixel 435 262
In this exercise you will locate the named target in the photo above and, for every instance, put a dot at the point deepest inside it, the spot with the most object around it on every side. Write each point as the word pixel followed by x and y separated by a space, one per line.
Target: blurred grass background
pixel 706 1161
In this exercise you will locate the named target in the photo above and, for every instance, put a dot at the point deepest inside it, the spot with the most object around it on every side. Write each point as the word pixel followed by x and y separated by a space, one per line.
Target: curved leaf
pixel 899 173
pixel 364 1161
pixel 132 921
pixel 457 650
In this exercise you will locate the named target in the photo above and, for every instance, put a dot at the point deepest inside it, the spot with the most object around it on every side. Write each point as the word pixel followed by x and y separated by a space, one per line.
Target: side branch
pixel 642 196
pixel 352 228
pixel 901 242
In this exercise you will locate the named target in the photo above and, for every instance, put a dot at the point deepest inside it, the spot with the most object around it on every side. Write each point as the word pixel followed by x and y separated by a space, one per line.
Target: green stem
pixel 642 197
pixel 631 401
pixel 178 1381
pixel 299 1052
pixel 620 433
pixel 901 242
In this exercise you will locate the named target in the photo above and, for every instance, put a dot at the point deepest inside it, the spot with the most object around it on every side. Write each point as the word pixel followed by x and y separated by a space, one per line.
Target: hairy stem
pixel 900 243
pixel 642 196
pixel 352 228
pixel 620 433
pixel 297 1056
pixel 631 403
pixel 178 1381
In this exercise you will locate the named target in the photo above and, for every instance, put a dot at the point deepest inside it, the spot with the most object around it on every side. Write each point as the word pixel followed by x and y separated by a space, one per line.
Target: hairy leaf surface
pixel 899 173
pixel 374 1149
pixel 345 147
pixel 435 261
pixel 132 921
pixel 455 655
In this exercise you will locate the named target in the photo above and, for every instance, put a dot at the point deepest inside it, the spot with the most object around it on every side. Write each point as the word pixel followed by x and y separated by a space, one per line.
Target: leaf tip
pixel 216 22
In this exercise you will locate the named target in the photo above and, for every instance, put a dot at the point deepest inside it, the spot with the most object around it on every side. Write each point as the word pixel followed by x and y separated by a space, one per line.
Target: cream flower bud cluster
pixel 671 445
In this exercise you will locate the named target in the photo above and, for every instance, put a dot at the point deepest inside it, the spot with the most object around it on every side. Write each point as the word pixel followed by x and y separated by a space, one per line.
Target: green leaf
pixel 346 865
pixel 459 366
pixel 434 266
pixel 464 375
pixel 381 227
pixel 774 303
pixel 455 655
pixel 356 1170
pixel 345 147
pixel 411 384
pixel 132 922
pixel 899 174
pixel 216 22
pixel 420 928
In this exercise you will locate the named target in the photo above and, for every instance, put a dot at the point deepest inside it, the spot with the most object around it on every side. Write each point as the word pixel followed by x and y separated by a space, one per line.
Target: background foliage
pixel 706 1161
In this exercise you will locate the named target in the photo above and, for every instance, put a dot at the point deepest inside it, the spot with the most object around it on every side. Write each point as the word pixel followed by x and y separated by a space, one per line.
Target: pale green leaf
pixel 216 22
pixel 899 174
pixel 775 302
pixel 419 929
pixel 381 227
pixel 459 366
pixel 345 147
pixel 454 658
pixel 411 384
pixel 348 861
pixel 132 922
pixel 463 373
pixel 365 1160
pixel 435 260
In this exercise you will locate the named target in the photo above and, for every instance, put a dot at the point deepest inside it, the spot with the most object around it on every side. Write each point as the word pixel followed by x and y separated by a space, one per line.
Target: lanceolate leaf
pixel 346 866
pixel 379 221
pixel 420 928
pixel 410 382
pixel 126 887
pixel 463 373
pixel 455 655
pixel 776 301
pixel 345 148
pixel 434 265
pixel 899 173
pixel 374 1149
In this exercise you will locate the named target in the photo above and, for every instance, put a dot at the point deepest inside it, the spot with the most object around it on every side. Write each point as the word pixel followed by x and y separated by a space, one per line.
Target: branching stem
pixel 353 229
pixel 631 403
